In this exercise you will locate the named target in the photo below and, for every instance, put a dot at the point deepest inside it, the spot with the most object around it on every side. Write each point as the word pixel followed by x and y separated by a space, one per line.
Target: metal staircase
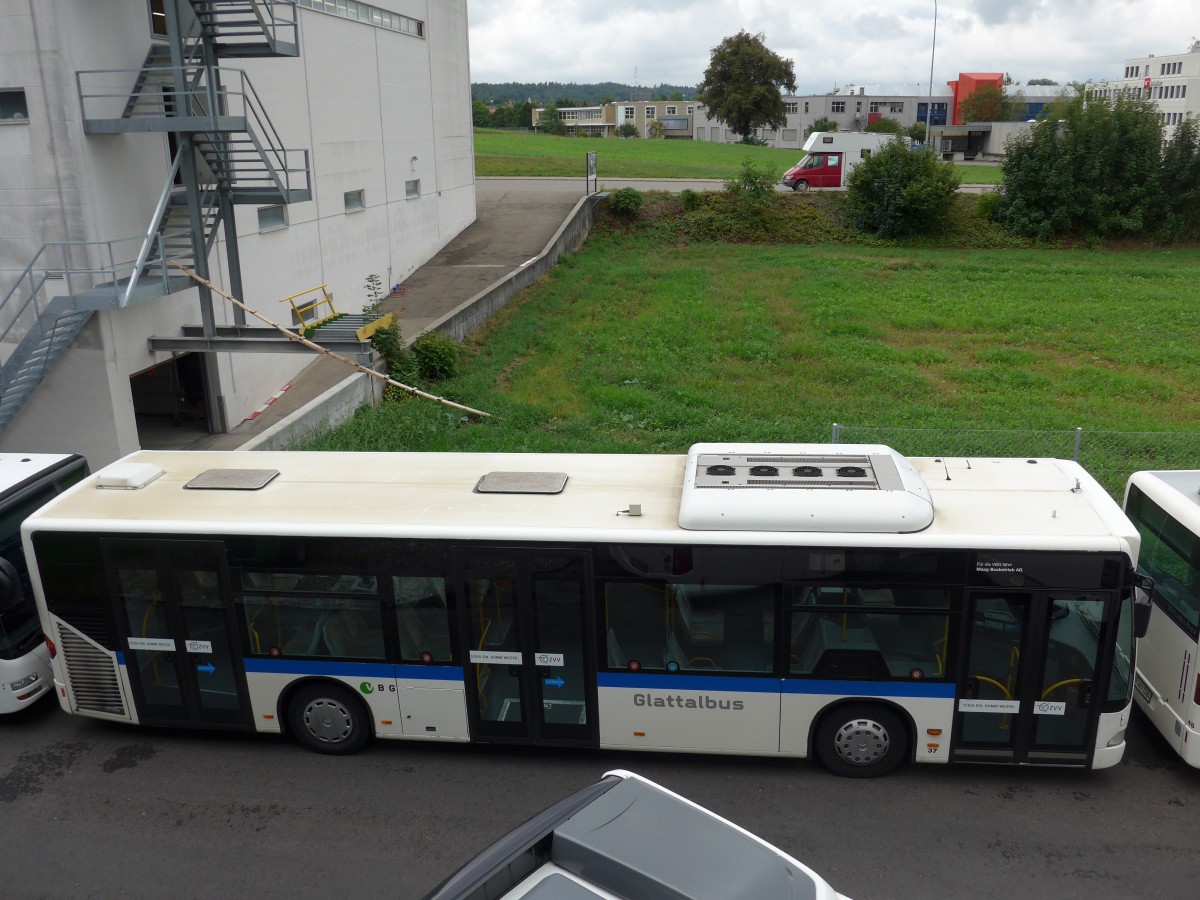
pixel 229 153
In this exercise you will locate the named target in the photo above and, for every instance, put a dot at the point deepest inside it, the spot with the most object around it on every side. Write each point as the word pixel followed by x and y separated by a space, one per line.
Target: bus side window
pixel 636 622
pixel 422 618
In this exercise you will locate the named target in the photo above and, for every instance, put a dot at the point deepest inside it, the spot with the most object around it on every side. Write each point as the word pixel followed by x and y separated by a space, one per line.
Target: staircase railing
pixel 154 233
pixel 215 99
pixel 57 265
pixel 276 19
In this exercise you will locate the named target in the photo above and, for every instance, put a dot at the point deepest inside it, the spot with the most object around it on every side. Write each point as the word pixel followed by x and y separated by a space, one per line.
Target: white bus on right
pixel 1165 507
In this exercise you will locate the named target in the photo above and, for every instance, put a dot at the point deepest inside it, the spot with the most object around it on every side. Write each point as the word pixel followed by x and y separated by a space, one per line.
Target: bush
pixel 753 188
pixel 689 199
pixel 896 192
pixel 1088 169
pixel 436 356
pixel 986 205
pixel 627 130
pixel 626 203
pixel 388 342
pixel 822 125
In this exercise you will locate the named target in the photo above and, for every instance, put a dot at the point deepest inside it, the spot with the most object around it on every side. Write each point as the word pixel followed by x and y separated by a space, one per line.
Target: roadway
pixel 98 810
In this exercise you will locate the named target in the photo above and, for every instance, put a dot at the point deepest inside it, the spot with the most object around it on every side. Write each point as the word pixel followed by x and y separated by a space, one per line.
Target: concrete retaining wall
pixel 472 314
pixel 341 401
pixel 320 414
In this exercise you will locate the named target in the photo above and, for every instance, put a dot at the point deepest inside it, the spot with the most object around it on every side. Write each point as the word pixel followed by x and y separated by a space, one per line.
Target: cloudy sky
pixel 869 42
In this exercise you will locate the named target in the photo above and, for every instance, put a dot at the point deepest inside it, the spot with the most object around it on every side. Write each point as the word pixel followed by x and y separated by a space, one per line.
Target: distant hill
pixel 584 94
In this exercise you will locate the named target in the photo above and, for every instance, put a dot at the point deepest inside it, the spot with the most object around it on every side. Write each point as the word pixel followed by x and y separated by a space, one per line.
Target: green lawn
pixel 629 345
pixel 524 153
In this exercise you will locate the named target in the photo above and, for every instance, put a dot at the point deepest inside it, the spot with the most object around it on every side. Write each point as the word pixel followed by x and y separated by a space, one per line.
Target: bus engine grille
pixel 93 674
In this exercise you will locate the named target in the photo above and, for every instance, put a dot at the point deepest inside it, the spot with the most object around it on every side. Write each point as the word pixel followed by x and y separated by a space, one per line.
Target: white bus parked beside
pixel 837 601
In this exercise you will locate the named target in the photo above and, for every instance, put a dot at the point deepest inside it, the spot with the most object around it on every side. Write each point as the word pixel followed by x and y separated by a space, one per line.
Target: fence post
pixel 1078 441
pixel 837 433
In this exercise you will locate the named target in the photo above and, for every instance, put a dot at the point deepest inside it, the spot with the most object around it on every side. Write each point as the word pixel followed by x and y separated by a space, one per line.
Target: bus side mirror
pixel 10 585
pixel 1143 604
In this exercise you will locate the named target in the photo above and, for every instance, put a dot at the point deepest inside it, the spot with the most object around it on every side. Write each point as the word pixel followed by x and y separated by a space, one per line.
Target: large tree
pixel 984 105
pixel 742 85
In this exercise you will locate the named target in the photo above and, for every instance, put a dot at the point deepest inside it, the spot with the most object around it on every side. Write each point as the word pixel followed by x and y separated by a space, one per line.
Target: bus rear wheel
pixel 328 718
pixel 861 741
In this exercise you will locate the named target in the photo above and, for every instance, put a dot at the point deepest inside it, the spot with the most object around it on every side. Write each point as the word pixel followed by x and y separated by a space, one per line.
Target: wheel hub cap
pixel 328 721
pixel 862 742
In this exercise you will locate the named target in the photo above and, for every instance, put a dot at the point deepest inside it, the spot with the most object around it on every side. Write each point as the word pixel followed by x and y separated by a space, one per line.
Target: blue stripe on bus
pixel 775 685
pixel 871 688
pixel 689 682
pixel 352 669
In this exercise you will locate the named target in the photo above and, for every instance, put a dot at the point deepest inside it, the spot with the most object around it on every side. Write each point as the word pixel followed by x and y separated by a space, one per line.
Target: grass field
pixel 632 346
pixel 514 153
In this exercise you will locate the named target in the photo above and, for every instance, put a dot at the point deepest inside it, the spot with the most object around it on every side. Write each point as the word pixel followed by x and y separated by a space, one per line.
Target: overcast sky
pixel 870 42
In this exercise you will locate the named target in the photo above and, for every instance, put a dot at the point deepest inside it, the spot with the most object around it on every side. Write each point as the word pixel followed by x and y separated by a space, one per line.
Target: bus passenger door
pixel 1029 692
pixel 530 667
pixel 175 618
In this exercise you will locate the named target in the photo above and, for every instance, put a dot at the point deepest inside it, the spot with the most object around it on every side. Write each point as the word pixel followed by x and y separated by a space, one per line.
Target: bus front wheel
pixel 861 741
pixel 800 186
pixel 328 718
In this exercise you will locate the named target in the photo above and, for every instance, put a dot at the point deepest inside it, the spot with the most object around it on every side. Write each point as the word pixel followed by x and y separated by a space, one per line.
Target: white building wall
pixel 375 108
pixel 1171 82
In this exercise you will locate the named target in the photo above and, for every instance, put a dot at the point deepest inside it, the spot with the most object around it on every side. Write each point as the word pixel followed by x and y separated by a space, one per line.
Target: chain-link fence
pixel 1111 456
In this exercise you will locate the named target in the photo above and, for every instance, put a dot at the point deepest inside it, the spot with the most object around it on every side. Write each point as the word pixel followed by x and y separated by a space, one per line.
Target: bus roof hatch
pixel 843 488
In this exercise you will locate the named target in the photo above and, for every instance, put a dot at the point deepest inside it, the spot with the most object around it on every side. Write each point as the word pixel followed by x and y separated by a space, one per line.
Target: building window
pixel 272 217
pixel 837 106
pixel 791 108
pixel 651 112
pixel 370 15
pixel 158 18
pixel 629 114
pixel 672 110
pixel 355 201
pixel 412 189
pixel 13 107
pixel 806 107
pixel 691 110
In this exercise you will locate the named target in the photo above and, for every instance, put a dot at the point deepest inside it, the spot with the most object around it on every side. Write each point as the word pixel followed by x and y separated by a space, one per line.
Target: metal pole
pixel 929 102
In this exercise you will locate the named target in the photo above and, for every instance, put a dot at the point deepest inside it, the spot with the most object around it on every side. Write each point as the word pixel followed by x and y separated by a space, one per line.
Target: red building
pixel 967 84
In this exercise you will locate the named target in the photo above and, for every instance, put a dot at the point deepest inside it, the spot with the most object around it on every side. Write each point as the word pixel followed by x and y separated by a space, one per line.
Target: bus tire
pixel 861 740
pixel 800 186
pixel 328 718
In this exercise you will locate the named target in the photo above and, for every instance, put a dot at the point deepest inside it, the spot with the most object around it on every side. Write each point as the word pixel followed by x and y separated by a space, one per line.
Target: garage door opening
pixel 170 404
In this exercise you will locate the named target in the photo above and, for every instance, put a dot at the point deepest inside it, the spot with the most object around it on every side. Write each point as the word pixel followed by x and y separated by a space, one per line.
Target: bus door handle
pixel 514 671
pixel 1086 693
pixel 971 689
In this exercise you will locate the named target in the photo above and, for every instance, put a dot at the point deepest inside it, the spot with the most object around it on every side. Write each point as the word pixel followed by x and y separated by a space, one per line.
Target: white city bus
pixel 27 481
pixel 1165 507
pixel 840 601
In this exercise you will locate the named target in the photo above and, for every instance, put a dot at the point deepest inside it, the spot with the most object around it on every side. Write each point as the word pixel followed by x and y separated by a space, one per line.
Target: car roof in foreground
pixel 627 838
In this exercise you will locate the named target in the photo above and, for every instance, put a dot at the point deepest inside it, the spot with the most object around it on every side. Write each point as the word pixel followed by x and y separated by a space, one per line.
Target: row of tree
pixel 1090 167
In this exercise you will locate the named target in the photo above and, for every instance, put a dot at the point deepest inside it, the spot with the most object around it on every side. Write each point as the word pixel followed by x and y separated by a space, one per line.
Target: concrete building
pixel 674 118
pixel 1172 82
pixel 854 107
pixel 275 147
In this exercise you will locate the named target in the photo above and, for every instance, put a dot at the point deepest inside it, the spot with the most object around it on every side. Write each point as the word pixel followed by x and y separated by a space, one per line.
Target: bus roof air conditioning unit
pixel 843 488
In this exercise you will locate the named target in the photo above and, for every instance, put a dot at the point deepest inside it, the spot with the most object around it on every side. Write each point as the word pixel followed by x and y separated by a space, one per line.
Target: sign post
pixel 591 173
